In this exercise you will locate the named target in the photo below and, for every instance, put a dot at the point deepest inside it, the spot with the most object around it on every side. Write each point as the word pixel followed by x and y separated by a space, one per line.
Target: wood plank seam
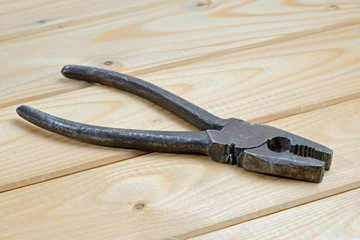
pixel 41 96
pixel 272 213
pixel 215 54
pixel 266 212
pixel 230 51
pixel 306 108
pixel 58 174
pixel 331 218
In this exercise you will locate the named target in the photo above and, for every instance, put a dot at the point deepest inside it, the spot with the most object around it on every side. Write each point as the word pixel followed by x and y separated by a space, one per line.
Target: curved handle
pixel 159 141
pixel 184 109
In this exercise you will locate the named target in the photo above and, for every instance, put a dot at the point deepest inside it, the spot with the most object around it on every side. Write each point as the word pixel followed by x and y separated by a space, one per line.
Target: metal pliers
pixel 254 147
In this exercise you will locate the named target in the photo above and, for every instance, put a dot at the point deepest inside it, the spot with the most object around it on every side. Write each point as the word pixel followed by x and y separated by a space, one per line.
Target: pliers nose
pixel 288 155
pixel 258 148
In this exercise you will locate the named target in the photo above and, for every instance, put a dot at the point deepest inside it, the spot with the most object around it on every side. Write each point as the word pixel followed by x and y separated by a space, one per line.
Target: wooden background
pixel 293 64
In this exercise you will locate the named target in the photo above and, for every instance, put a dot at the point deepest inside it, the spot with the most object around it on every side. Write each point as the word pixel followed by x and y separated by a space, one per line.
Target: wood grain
pixel 160 196
pixel 22 18
pixel 31 63
pixel 321 70
pixel 259 85
pixel 335 217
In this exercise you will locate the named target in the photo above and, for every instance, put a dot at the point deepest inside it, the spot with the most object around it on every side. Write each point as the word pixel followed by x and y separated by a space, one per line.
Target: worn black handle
pixel 160 141
pixel 191 113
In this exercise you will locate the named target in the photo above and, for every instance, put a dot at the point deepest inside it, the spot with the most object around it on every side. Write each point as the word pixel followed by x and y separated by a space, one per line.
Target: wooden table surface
pixel 290 64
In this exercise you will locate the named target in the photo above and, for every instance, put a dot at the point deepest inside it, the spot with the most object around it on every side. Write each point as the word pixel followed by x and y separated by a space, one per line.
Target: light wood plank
pixel 259 85
pixel 267 83
pixel 22 18
pixel 153 39
pixel 336 217
pixel 170 195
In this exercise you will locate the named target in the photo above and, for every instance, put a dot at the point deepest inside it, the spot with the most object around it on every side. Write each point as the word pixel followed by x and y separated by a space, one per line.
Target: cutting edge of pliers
pixel 254 147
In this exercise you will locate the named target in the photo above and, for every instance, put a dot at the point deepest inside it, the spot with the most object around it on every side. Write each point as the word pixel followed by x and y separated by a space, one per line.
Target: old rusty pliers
pixel 254 147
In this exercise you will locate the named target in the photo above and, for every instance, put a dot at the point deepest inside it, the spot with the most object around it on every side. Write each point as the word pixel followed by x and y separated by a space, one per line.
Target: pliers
pixel 254 147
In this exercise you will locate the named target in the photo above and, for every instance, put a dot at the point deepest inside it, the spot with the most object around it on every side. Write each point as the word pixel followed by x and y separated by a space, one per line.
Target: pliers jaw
pixel 269 150
pixel 284 164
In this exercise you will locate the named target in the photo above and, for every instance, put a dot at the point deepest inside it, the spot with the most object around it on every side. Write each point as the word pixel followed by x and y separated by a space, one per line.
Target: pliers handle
pixel 161 141
pixel 186 110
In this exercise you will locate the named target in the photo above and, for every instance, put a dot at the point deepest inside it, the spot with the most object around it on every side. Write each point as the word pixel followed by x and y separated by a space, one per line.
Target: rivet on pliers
pixel 257 148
